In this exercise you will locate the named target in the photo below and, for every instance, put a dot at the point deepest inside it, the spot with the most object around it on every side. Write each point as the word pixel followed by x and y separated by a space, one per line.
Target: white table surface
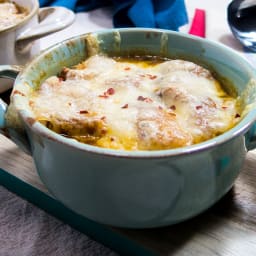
pixel 216 23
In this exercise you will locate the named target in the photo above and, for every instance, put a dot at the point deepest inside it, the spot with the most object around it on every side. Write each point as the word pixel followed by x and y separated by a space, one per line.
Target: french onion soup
pixel 135 103
pixel 11 14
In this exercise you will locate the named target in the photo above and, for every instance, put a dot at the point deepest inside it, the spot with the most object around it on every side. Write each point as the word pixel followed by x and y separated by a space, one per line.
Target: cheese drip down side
pixel 135 104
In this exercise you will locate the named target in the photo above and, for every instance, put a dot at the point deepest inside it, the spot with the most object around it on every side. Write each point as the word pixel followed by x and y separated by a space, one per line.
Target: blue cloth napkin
pixel 166 14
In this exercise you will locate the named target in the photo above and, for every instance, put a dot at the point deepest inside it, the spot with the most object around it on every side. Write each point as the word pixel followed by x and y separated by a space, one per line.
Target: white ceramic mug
pixel 18 43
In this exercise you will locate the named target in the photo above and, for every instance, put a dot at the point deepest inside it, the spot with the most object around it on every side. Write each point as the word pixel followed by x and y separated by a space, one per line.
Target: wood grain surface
pixel 227 228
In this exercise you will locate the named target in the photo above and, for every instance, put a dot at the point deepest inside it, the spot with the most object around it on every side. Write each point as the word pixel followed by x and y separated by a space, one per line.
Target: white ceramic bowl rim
pixel 23 21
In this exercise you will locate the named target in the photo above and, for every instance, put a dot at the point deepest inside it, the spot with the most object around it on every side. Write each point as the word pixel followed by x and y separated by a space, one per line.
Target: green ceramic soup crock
pixel 133 189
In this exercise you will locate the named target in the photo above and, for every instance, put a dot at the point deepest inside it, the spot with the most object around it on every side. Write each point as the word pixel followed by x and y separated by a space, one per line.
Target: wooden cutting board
pixel 227 228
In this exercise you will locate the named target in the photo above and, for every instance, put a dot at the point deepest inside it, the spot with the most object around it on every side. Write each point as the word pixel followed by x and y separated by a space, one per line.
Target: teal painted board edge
pixel 96 231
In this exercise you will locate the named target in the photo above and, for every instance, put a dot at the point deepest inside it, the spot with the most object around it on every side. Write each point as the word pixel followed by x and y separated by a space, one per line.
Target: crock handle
pixel 250 138
pixel 51 19
pixel 16 135
pixel 10 72
pixel 3 107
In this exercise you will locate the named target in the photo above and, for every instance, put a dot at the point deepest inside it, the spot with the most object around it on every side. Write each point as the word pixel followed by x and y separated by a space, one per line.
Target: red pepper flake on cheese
pixel 108 92
pixel 83 112
pixel 173 107
pixel 152 77
pixel 125 106
pixel 199 107
pixel 145 99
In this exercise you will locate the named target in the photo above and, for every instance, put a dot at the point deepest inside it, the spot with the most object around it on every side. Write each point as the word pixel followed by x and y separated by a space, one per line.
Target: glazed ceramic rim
pixel 32 13
pixel 241 128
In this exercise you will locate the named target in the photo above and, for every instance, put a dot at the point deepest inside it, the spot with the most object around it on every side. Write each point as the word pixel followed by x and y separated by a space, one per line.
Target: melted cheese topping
pixel 10 14
pixel 135 105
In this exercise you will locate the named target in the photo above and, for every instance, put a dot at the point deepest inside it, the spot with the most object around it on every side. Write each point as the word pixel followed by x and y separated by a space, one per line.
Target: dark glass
pixel 241 16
